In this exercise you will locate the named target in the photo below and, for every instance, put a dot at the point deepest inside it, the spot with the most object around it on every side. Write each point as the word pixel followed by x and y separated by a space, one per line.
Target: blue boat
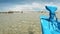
pixel 50 24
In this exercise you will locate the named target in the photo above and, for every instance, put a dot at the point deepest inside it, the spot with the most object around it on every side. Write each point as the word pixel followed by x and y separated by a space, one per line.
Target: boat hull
pixel 46 26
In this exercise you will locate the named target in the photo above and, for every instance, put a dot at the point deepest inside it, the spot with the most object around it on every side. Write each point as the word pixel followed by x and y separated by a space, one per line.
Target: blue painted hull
pixel 46 26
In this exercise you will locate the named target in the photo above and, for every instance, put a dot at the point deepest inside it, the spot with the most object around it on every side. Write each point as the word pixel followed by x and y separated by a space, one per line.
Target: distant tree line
pixel 12 12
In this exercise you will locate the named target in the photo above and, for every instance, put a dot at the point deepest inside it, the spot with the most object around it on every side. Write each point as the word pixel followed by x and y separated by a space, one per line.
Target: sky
pixel 27 5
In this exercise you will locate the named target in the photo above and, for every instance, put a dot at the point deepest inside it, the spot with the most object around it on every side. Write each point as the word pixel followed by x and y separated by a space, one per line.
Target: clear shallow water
pixel 21 23
pixel 18 23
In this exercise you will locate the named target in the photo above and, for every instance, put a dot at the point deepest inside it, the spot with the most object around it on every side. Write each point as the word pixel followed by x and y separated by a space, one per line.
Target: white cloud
pixel 30 7
pixel 27 7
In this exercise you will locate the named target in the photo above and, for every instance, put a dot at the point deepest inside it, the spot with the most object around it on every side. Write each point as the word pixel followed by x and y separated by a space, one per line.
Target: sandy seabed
pixel 21 23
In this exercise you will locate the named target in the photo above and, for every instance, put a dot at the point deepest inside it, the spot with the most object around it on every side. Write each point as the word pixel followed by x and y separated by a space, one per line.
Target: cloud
pixel 27 7
pixel 34 6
